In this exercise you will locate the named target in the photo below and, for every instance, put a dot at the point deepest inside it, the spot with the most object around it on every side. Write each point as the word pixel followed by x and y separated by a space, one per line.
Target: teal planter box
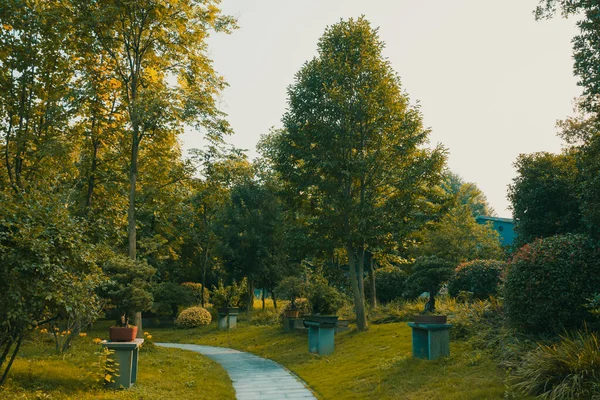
pixel 430 341
pixel 228 318
pixel 124 361
pixel 321 333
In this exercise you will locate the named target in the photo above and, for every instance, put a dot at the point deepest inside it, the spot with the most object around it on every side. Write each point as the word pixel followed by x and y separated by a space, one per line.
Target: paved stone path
pixel 254 378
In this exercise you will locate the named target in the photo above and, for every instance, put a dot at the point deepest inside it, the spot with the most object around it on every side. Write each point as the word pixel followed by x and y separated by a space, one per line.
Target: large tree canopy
pixel 352 147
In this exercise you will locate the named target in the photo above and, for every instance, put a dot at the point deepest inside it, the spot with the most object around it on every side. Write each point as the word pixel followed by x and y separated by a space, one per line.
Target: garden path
pixel 253 377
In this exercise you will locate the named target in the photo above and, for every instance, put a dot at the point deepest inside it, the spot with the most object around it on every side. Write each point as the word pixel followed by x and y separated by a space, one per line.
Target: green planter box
pixel 124 361
pixel 430 341
pixel 321 333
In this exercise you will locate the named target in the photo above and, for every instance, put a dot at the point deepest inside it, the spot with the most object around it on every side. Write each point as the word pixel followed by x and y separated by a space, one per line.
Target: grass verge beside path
pixel 38 373
pixel 373 364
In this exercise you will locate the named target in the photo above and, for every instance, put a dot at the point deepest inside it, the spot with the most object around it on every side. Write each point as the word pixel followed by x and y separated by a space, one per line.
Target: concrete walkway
pixel 254 378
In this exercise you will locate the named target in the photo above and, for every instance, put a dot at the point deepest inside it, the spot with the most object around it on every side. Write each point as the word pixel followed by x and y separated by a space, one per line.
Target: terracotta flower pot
pixel 120 334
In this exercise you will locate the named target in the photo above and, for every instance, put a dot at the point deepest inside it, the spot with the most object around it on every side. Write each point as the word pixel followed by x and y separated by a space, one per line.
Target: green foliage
pixel 480 277
pixel 569 369
pixel 128 287
pixel 324 299
pixel 467 194
pixel 389 283
pixel 168 296
pixel 291 288
pixel 352 153
pixel 251 234
pixel 428 274
pixel 301 304
pixel 193 317
pixel 48 268
pixel 548 283
pixel 197 292
pixel 457 237
pixel 544 196
pixel 233 295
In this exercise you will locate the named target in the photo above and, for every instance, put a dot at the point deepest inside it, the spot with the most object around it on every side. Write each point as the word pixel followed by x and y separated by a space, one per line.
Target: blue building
pixel 504 227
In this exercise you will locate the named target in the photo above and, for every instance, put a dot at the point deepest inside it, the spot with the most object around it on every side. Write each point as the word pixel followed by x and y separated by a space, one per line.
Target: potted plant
pixel 292 288
pixel 325 300
pixel 226 299
pixel 128 292
pixel 428 275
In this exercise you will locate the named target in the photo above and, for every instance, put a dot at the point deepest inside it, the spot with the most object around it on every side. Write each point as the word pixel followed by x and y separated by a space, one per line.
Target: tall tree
pixel 152 44
pixel 251 232
pixel 351 148
pixel 544 196
pixel 468 194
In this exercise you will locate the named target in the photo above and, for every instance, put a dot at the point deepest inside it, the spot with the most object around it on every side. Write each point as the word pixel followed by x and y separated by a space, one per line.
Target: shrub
pixel 389 284
pixel 480 277
pixel 196 289
pixel 193 317
pixel 549 282
pixel 324 299
pixel 235 295
pixel 291 288
pixel 169 296
pixel 567 370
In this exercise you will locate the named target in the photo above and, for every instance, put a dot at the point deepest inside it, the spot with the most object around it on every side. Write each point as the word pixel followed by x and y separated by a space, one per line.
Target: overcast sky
pixel 491 80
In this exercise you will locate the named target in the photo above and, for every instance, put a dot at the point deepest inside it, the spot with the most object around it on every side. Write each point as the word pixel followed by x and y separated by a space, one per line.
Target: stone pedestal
pixel 321 333
pixel 124 361
pixel 430 341
pixel 222 322
pixel 228 318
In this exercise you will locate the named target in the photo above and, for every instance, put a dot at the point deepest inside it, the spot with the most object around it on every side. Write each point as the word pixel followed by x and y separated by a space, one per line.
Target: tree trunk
pixel 12 358
pixel 274 299
pixel 131 218
pixel 373 298
pixel 263 296
pixel 250 296
pixel 359 304
pixel 204 275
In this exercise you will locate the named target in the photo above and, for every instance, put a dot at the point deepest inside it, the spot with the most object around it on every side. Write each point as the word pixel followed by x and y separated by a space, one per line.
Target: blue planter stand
pixel 321 333
pixel 126 359
pixel 430 341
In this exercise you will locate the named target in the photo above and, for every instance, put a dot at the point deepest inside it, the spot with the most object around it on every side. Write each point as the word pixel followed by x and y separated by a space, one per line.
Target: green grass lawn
pixel 38 373
pixel 373 364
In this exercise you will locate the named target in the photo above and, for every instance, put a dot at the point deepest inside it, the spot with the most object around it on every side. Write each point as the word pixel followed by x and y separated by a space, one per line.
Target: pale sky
pixel 491 81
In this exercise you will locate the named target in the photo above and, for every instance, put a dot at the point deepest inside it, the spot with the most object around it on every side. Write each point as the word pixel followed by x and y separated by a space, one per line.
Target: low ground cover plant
pixel 568 369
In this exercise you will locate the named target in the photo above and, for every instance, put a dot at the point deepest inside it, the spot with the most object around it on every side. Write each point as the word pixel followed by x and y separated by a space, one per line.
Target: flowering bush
pixel 193 317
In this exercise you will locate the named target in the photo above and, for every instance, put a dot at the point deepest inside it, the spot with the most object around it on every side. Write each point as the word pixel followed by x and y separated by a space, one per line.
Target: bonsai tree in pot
pixel 325 300
pixel 127 290
pixel 428 275
pixel 292 288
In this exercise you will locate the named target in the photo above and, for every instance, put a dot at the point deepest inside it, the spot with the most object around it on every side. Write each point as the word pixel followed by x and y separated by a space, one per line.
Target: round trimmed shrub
pixel 480 277
pixel 193 317
pixel 548 283
pixel 389 284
